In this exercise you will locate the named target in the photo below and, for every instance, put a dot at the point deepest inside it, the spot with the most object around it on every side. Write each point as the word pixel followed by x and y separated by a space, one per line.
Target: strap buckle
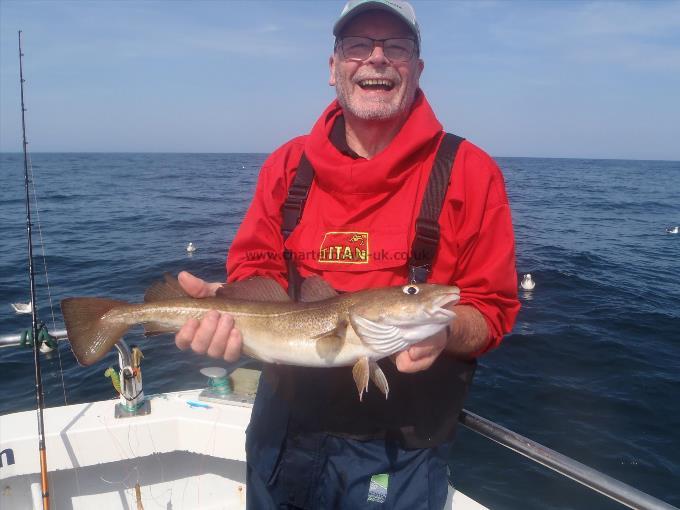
pixel 291 211
pixel 419 274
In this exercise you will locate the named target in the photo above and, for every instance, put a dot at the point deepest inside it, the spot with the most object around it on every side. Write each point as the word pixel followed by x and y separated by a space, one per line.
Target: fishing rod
pixel 34 314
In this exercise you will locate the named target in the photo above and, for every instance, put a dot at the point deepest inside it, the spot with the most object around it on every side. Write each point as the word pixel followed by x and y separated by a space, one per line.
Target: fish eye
pixel 410 289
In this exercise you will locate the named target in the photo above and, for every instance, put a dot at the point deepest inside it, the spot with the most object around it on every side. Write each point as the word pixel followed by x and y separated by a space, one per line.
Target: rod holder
pixel 132 400
pixel 219 387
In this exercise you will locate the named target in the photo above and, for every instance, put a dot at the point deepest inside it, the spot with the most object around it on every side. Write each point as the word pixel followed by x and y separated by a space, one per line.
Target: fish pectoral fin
pixel 378 378
pixel 329 344
pixel 382 338
pixel 360 372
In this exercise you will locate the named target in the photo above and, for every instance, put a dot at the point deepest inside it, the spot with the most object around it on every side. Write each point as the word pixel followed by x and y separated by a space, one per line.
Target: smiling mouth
pixel 376 84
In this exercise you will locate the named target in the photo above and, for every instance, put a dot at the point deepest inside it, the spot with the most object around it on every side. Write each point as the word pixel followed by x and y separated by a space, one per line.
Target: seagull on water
pixel 527 282
pixel 191 248
pixel 22 307
pixel 673 230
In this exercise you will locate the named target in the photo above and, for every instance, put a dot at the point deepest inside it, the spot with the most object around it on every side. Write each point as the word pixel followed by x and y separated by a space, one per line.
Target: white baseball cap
pixel 403 10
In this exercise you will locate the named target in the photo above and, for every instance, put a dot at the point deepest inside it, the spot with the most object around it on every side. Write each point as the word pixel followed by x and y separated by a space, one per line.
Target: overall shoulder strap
pixel 424 247
pixel 292 208
pixel 291 212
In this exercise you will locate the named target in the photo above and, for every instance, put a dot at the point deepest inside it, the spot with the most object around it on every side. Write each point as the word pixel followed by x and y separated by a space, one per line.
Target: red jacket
pixel 359 220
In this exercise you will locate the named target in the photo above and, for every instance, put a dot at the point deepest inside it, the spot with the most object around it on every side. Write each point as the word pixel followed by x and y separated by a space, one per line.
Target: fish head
pixel 392 318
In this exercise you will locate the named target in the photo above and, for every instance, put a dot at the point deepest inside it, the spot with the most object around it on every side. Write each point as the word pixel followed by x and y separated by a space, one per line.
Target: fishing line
pixel 122 481
pixel 36 208
pixel 212 438
pixel 157 456
pixel 131 454
pixel 200 463
pixel 46 475
pixel 132 489
pixel 121 451
pixel 123 456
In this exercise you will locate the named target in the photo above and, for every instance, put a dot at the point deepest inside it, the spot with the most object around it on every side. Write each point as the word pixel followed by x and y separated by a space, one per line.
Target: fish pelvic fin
pixel 378 378
pixel 365 369
pixel 360 372
pixel 90 334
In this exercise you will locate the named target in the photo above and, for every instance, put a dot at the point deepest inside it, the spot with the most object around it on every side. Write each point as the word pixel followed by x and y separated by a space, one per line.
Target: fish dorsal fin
pixel 169 288
pixel 315 288
pixel 258 288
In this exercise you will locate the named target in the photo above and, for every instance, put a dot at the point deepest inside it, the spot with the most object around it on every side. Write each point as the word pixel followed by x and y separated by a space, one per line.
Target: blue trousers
pixel 318 471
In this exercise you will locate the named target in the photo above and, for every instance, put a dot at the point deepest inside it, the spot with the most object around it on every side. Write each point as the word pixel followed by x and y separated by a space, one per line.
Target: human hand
pixel 215 334
pixel 420 356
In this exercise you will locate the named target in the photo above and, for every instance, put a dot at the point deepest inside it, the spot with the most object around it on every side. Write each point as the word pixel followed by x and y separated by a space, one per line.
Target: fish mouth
pixel 440 314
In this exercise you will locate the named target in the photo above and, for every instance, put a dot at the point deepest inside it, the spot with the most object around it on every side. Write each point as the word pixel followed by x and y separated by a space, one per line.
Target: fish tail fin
pixel 90 334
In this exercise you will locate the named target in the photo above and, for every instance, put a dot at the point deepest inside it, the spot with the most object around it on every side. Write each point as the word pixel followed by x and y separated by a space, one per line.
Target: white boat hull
pixel 181 457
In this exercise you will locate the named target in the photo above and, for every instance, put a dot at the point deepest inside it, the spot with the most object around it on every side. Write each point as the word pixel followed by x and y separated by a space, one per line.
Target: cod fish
pixel 325 329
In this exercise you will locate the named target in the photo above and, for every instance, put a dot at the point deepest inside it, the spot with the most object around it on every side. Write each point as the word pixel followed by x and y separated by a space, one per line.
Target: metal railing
pixel 566 466
pixel 15 340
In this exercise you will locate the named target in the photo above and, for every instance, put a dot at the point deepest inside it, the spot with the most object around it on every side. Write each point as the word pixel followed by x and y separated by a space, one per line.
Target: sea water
pixel 592 368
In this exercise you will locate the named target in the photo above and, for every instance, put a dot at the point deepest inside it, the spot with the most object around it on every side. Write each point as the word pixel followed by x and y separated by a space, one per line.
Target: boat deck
pixel 180 456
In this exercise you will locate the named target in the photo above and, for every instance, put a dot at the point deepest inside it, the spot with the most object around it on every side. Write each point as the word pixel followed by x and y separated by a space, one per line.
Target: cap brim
pixel 372 6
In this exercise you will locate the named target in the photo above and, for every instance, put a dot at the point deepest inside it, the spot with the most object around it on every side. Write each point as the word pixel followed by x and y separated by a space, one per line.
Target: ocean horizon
pixel 267 153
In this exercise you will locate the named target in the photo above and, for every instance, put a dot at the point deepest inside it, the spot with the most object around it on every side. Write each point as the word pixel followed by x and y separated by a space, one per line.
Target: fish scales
pixel 275 333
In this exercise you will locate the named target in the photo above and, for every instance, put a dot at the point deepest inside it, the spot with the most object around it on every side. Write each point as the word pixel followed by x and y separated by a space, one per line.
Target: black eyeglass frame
pixel 338 44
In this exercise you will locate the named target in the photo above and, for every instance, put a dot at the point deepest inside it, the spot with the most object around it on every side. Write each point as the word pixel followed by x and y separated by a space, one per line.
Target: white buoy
pixel 45 349
pixel 22 307
pixel 191 248
pixel 527 282
pixel 673 230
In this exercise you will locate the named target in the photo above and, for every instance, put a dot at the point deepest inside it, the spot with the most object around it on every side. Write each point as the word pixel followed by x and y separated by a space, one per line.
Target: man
pixel 311 443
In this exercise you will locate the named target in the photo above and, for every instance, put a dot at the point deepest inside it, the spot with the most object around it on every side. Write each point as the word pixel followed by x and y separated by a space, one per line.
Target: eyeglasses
pixel 360 48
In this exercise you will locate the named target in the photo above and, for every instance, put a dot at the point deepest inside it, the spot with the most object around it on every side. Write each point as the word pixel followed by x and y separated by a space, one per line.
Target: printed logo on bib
pixel 344 248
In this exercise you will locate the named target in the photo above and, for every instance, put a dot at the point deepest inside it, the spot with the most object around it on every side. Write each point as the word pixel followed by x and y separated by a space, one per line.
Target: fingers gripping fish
pixel 328 330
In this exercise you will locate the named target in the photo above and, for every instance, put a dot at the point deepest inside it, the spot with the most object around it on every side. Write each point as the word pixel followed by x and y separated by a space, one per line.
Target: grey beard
pixel 378 110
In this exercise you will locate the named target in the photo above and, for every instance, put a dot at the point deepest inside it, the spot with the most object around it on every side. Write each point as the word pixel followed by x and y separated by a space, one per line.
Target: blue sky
pixel 535 78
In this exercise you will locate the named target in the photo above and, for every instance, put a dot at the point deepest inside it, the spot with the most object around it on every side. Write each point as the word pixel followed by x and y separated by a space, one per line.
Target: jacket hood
pixel 388 169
